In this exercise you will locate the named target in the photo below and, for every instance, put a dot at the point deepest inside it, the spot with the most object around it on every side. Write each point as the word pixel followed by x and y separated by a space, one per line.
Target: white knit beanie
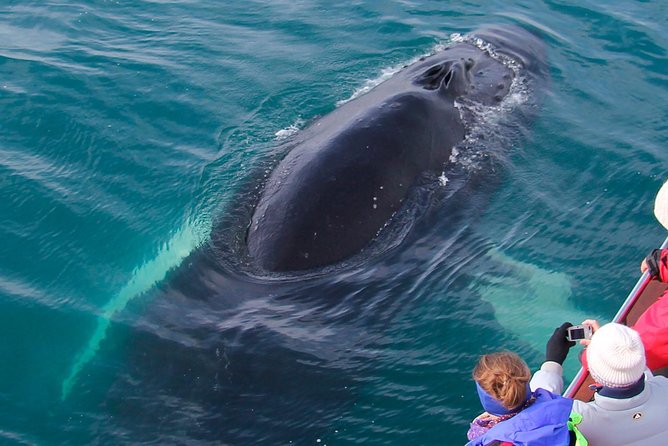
pixel 661 205
pixel 616 356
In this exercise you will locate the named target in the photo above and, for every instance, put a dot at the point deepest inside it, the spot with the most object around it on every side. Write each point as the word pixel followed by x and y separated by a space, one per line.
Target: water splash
pixel 290 130
pixel 190 236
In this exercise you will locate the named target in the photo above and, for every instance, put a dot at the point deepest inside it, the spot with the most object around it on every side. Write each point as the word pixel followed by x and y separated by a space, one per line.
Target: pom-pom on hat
pixel 616 356
pixel 661 205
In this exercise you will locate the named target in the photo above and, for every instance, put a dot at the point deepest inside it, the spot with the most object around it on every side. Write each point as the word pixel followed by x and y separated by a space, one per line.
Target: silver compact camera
pixel 577 332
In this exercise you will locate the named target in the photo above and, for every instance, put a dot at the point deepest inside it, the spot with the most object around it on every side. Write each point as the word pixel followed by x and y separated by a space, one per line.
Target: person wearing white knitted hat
pixel 630 406
pixel 661 205
pixel 616 356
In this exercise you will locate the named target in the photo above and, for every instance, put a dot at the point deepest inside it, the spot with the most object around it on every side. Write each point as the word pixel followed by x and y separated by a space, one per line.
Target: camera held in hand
pixel 577 332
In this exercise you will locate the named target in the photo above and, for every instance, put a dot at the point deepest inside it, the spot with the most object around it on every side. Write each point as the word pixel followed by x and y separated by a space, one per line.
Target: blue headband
pixel 493 406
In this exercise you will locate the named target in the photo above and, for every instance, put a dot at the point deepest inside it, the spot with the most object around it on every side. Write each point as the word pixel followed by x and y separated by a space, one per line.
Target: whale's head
pixel 482 65
pixel 520 44
pixel 518 55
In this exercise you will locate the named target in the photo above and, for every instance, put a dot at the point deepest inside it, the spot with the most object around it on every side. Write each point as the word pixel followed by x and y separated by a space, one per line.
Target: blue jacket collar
pixel 544 423
pixel 623 392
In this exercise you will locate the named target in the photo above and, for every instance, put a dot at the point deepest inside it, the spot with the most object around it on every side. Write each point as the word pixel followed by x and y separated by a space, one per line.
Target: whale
pixel 220 356
pixel 350 171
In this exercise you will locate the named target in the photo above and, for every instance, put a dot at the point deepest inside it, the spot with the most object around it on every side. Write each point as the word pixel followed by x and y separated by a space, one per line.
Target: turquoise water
pixel 130 128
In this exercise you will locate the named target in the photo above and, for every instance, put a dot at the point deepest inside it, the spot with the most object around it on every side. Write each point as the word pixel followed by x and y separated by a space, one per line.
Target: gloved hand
pixel 651 263
pixel 558 344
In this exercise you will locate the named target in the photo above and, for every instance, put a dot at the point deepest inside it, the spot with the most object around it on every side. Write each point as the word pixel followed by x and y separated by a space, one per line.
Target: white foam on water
pixel 485 122
pixel 370 84
pixel 518 93
pixel 170 255
pixel 290 130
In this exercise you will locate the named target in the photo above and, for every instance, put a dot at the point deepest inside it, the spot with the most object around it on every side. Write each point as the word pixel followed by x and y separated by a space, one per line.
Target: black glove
pixel 652 262
pixel 558 344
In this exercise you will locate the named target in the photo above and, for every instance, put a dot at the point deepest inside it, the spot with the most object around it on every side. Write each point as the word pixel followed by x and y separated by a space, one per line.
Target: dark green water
pixel 129 127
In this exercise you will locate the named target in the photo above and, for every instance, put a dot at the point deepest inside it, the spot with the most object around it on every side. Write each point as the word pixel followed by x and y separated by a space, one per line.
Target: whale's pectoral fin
pixel 529 301
pixel 451 78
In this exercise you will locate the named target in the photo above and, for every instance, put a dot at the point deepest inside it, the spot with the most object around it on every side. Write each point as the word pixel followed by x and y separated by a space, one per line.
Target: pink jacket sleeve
pixel 653 328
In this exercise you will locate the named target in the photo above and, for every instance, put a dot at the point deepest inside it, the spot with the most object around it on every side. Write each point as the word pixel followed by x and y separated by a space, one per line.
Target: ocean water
pixel 133 132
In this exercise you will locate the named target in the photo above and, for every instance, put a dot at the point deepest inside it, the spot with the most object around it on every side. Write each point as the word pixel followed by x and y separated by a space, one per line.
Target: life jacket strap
pixel 573 420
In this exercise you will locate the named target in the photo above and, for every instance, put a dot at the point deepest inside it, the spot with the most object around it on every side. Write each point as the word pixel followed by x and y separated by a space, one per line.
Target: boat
pixel 644 293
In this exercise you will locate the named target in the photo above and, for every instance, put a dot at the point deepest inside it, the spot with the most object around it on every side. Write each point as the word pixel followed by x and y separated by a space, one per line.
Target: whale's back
pixel 329 197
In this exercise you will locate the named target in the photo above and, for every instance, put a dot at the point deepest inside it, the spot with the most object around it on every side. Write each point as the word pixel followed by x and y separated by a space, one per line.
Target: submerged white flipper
pixel 531 302
pixel 169 256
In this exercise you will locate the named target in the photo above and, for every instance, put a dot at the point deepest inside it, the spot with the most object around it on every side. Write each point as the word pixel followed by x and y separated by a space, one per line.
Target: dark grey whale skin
pixel 351 170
